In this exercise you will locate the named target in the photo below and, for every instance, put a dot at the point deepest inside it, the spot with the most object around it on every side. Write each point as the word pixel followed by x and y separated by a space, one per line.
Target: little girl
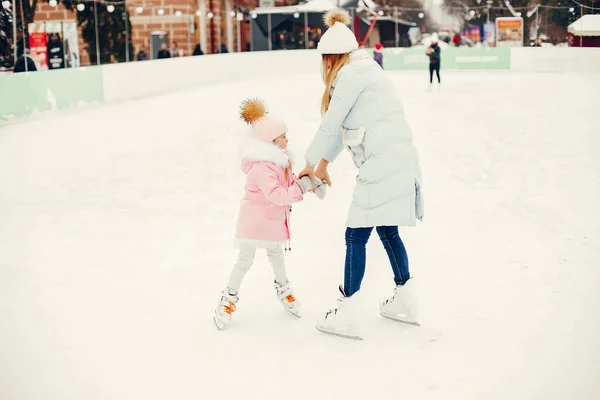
pixel 264 217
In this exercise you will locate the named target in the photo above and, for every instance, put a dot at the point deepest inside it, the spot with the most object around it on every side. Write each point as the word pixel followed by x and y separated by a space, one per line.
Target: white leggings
pixel 245 261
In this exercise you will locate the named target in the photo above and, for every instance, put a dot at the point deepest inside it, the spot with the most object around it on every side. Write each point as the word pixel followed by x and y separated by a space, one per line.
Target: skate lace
pixel 391 299
pixel 229 308
pixel 334 310
pixel 285 292
pixel 228 301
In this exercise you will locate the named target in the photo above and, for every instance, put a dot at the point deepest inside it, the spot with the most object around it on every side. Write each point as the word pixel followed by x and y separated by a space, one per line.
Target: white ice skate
pixel 341 321
pixel 402 306
pixel 286 296
pixel 225 308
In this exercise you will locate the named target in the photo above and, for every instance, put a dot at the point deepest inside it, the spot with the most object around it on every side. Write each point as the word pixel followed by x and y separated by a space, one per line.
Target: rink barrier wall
pixel 452 58
pixel 563 59
pixel 29 94
pixel 141 79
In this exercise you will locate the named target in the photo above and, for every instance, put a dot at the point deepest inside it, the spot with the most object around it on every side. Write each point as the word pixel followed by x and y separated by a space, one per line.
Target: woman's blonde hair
pixel 337 62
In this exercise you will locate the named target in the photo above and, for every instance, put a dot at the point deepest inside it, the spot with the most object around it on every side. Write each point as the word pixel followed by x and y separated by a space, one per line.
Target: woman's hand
pixel 309 171
pixel 322 173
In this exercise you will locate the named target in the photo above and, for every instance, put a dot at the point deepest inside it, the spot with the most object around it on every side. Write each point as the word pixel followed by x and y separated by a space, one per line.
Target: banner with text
pixel 452 58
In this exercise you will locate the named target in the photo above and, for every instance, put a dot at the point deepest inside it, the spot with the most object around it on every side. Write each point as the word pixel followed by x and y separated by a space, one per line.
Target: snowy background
pixel 116 227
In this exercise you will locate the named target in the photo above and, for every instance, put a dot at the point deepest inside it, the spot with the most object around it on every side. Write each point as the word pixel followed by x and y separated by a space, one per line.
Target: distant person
pixel 435 58
pixel 176 51
pixel 198 50
pixel 456 39
pixel 24 63
pixel 163 52
pixel 224 48
pixel 142 55
pixel 378 54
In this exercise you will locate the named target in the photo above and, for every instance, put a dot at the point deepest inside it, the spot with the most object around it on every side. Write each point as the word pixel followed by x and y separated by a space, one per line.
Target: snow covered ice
pixel 116 226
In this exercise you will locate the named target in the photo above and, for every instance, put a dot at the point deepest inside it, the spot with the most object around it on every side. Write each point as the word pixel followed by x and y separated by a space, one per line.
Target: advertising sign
pixel 509 32
pixel 54 44
pixel 37 45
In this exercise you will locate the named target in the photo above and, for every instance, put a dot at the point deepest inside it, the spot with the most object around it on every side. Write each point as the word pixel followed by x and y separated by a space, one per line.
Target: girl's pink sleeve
pixel 267 182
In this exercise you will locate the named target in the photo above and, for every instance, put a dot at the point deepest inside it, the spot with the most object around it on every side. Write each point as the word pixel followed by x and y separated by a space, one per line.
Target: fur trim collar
pixel 252 149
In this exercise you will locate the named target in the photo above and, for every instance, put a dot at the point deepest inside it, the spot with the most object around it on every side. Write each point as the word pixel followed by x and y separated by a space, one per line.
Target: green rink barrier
pixel 25 94
pixel 452 58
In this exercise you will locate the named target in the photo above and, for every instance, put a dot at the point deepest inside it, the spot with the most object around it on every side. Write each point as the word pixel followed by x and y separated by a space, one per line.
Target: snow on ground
pixel 115 241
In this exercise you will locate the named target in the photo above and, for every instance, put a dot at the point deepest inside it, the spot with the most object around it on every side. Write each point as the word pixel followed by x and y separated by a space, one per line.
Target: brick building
pixel 210 23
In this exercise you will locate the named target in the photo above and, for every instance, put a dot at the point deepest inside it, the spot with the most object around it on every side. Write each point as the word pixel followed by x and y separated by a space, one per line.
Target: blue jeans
pixel 356 256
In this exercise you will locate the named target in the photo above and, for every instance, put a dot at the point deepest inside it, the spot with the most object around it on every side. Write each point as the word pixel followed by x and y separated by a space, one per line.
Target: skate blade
pixel 338 334
pixel 397 319
pixel 295 313
pixel 220 326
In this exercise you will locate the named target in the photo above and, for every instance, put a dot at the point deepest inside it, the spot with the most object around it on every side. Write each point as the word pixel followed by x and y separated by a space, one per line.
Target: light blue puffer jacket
pixel 388 188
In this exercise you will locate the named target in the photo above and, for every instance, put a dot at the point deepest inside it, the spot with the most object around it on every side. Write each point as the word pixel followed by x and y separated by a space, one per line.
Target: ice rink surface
pixel 116 227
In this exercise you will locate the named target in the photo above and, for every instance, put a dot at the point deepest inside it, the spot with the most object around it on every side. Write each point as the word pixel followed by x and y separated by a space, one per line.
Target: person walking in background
pixel 24 63
pixel 378 54
pixel 198 50
pixel 456 39
pixel 141 55
pixel 435 58
pixel 163 52
pixel 176 51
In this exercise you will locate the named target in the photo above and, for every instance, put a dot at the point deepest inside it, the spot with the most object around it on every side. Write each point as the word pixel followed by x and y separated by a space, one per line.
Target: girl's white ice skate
pixel 341 320
pixel 402 306
pixel 225 308
pixel 286 296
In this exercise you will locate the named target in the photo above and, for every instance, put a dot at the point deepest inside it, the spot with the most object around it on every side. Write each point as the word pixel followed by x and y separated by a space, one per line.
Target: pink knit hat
pixel 265 128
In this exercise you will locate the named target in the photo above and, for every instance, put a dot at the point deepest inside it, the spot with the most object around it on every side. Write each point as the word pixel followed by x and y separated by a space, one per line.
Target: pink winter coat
pixel 264 218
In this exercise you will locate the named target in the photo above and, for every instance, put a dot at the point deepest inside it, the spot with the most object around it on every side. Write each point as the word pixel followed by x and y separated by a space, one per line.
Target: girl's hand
pixel 308 171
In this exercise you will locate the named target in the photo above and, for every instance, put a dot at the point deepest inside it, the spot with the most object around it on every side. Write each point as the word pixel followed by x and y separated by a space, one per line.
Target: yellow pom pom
pixel 252 109
pixel 338 15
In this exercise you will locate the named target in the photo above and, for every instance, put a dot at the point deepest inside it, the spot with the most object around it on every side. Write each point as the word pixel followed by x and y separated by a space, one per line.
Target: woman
pixel 362 112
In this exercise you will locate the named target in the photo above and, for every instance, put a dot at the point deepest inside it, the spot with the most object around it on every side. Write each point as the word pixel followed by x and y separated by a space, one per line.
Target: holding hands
pixel 315 186
pixel 320 173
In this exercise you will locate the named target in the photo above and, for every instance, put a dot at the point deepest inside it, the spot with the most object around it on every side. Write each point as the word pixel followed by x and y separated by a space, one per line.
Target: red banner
pixel 37 45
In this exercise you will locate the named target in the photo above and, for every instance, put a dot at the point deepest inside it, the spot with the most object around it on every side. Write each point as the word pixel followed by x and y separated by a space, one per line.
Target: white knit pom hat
pixel 338 39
